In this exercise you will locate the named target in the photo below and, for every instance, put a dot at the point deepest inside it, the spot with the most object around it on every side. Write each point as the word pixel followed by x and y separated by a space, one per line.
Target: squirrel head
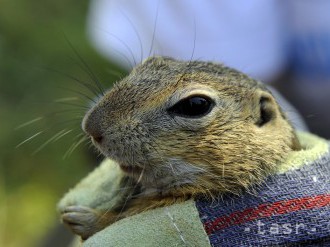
pixel 191 126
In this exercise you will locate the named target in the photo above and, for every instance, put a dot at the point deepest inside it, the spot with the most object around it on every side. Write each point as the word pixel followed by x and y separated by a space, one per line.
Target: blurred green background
pixel 37 66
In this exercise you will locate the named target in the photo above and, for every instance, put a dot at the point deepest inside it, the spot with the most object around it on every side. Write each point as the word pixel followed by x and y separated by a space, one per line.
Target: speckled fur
pixel 179 158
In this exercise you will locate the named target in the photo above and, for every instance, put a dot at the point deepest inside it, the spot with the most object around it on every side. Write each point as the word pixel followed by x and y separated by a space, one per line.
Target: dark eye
pixel 192 107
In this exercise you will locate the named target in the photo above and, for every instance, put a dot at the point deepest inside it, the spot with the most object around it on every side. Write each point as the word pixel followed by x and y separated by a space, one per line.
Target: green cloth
pixel 176 225
pixel 313 147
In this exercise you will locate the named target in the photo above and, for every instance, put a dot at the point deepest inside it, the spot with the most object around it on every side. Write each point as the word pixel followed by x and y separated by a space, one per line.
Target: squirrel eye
pixel 192 107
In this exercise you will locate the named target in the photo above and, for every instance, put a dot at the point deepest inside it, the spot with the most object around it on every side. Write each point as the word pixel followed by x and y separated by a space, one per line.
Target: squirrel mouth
pixel 130 169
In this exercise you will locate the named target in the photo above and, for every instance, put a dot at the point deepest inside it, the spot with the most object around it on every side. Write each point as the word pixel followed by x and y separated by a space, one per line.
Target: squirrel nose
pixel 97 138
pixel 91 126
pixel 94 132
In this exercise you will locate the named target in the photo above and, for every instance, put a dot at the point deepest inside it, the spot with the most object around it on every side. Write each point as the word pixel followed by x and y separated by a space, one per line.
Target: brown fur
pixel 176 158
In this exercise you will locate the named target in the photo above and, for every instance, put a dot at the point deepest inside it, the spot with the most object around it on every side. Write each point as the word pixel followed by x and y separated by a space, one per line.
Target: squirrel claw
pixel 81 220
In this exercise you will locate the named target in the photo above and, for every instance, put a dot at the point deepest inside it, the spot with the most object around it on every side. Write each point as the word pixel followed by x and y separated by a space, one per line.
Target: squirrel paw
pixel 82 220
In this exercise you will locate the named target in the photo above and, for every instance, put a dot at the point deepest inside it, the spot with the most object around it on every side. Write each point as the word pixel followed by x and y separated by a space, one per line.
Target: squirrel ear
pixel 267 109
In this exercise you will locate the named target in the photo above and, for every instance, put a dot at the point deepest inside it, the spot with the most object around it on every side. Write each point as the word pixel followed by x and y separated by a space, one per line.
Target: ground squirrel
pixel 181 130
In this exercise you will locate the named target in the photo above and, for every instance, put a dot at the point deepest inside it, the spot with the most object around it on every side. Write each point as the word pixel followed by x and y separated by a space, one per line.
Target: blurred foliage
pixel 37 66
